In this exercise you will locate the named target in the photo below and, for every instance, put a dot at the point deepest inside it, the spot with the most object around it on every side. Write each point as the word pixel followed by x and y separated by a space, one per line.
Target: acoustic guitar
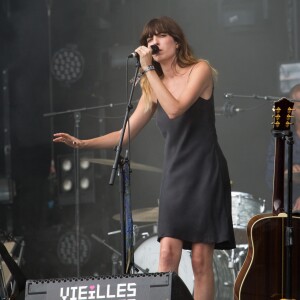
pixel 265 273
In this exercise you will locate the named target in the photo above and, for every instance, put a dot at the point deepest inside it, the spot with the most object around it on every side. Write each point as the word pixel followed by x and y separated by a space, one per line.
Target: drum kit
pixel 226 263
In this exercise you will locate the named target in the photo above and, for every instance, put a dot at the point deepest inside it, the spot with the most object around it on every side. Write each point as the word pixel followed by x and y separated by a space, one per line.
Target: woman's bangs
pixel 153 28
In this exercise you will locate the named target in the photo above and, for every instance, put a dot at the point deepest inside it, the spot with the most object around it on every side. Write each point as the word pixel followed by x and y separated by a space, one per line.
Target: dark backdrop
pixel 244 40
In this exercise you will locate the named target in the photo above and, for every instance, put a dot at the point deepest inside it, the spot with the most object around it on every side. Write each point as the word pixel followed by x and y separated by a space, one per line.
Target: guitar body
pixel 262 275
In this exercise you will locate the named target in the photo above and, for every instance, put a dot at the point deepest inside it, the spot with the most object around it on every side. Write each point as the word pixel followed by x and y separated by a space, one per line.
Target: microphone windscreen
pixel 154 48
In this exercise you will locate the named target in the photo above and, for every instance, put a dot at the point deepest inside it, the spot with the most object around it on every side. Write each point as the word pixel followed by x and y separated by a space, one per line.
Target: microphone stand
pixel 126 223
pixel 254 96
pixel 289 225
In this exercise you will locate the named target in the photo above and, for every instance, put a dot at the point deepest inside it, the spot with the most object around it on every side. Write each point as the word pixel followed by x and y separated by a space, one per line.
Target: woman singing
pixel 195 196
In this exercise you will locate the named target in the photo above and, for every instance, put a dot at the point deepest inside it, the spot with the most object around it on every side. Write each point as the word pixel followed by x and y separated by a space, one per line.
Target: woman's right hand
pixel 67 139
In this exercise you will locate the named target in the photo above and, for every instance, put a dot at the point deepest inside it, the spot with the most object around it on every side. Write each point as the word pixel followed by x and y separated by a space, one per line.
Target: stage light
pixel 67 64
pixel 67 185
pixel 84 164
pixel 66 248
pixel 66 176
pixel 84 183
pixel 66 165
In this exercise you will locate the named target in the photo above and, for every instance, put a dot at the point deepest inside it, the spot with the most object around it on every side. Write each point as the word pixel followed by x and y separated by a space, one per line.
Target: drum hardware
pixel 145 235
pixel 224 276
pixel 238 256
pixel 231 261
pixel 116 263
pixel 244 207
pixel 136 231
pixel 116 256
pixel 95 237
pixel 240 259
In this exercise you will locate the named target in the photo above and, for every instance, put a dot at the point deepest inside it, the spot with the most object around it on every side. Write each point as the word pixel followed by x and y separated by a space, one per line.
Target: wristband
pixel 149 68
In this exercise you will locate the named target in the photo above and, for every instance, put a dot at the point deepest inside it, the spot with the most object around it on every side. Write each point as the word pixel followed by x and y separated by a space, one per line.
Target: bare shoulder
pixel 202 73
pixel 201 77
pixel 203 67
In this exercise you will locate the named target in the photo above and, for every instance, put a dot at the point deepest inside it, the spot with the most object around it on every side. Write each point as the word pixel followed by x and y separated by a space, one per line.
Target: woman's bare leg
pixel 202 263
pixel 170 254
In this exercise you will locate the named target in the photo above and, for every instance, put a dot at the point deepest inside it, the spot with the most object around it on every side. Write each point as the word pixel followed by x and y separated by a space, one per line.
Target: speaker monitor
pixel 150 286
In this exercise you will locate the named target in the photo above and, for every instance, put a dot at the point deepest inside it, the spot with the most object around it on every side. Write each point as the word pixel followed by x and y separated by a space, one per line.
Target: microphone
pixel 228 110
pixel 154 48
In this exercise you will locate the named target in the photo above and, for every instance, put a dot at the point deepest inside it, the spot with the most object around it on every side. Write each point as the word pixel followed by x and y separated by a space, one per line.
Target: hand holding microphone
pixel 154 49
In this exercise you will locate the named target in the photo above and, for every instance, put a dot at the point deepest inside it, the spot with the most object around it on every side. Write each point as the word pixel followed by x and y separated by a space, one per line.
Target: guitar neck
pixel 282 121
pixel 278 179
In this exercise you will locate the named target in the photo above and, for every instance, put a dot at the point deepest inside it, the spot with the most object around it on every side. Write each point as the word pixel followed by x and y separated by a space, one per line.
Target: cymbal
pixel 133 165
pixel 145 215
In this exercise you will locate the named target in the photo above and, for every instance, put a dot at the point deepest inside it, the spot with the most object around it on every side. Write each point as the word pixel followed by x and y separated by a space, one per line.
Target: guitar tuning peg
pixel 290 109
pixel 276 123
pixel 276 116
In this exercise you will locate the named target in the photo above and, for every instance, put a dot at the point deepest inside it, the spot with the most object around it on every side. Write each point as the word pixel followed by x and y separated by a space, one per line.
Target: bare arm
pixel 199 84
pixel 137 122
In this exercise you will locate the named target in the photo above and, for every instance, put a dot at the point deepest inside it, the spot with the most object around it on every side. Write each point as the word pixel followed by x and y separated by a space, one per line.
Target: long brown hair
pixel 184 55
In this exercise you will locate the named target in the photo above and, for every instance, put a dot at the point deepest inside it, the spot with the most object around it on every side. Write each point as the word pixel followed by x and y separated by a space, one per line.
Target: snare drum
pixel 146 256
pixel 244 207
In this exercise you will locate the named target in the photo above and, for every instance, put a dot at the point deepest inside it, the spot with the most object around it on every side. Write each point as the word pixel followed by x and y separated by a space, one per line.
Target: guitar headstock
pixel 283 109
